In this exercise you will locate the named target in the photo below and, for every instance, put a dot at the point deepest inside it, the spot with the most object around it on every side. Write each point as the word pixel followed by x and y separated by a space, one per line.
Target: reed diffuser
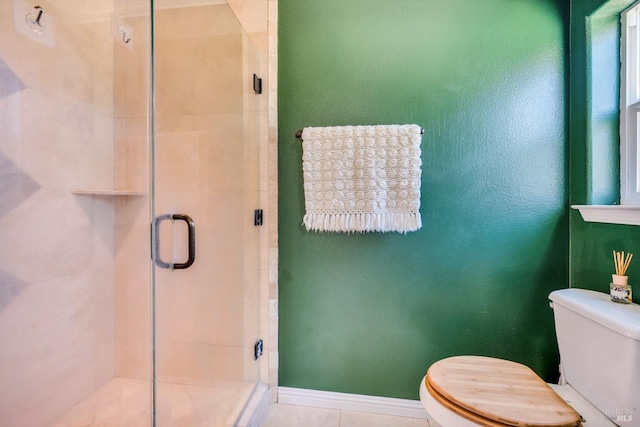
pixel 620 289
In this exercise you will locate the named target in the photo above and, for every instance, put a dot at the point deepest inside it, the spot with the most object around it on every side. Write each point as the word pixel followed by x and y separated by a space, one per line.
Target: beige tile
pixel 131 159
pixel 175 86
pixel 194 22
pixel 103 75
pixel 102 161
pixel 120 77
pixel 195 362
pixel 251 13
pixel 259 47
pixel 132 288
pixel 252 144
pixel 272 172
pixel 131 154
pixel 174 23
pixel 263 138
pixel 198 162
pixel 280 415
pixel 132 72
pixel 208 399
pixel 221 128
pixel 102 26
pixel 175 123
pixel 71 79
pixel 214 20
pixel 273 368
pixel 81 415
pixel 120 402
pixel 133 358
pixel 273 332
pixel 225 226
pixel 57 240
pixel 217 74
pixel 54 328
pixel 201 311
pixel 174 402
pixel 273 395
pixel 56 140
pixel 227 171
pixel 358 419
pixel 126 402
pixel 251 325
pixel 177 167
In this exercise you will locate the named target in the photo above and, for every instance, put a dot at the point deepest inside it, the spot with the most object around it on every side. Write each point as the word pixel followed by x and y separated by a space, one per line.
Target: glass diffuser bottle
pixel 619 288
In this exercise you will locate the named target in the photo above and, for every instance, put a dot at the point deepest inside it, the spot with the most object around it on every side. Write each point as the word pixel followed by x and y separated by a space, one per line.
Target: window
pixel 609 30
pixel 629 105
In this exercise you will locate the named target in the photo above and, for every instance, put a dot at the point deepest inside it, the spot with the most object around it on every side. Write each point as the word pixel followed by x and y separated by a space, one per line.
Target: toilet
pixel 599 344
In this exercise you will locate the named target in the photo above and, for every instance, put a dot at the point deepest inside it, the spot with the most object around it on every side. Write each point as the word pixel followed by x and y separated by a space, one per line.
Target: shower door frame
pixel 249 121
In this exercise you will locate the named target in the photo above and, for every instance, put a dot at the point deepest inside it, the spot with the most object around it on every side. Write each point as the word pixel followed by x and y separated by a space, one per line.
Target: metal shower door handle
pixel 192 241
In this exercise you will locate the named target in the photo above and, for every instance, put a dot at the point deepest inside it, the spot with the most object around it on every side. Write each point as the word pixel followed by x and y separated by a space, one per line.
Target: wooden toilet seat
pixel 495 392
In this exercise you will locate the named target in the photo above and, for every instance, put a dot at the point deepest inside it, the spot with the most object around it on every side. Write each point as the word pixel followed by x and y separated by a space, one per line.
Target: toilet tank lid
pixel 597 306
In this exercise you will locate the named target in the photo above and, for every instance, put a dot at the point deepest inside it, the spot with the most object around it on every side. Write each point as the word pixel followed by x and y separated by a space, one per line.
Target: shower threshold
pixel 125 402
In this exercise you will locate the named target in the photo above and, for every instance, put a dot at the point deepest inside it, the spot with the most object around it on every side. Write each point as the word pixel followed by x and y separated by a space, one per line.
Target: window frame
pixel 629 104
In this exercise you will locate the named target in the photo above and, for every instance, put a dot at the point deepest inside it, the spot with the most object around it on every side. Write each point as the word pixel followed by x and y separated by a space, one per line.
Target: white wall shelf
pixel 610 214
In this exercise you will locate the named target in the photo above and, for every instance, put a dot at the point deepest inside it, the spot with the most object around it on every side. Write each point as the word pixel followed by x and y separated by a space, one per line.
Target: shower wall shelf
pixel 95 192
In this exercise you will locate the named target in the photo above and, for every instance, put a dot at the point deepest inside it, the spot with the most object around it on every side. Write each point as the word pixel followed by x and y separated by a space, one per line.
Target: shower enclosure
pixel 128 184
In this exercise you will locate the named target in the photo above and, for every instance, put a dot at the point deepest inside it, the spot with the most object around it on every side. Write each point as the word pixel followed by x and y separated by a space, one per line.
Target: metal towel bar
pixel 299 133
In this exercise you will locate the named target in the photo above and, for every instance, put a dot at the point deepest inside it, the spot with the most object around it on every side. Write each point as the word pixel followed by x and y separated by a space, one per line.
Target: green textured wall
pixel 368 313
pixel 594 142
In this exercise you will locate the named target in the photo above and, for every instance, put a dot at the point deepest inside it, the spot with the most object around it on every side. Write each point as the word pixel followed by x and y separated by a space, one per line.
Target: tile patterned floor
pixel 280 415
pixel 126 403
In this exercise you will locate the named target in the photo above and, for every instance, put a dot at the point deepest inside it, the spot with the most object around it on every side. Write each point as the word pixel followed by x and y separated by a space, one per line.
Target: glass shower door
pixel 93 331
pixel 205 176
pixel 75 274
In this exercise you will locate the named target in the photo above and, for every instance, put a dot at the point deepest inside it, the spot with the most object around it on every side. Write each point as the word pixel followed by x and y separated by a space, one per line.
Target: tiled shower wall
pixel 56 254
pixel 61 127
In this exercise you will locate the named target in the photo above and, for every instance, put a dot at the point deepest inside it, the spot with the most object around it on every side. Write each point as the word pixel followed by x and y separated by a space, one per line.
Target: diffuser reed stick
pixel 621 262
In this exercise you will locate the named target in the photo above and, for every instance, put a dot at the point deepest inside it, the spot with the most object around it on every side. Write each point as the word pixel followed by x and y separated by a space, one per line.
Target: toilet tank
pixel 599 343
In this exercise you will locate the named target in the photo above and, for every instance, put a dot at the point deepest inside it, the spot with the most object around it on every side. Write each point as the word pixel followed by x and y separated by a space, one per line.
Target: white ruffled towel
pixel 362 178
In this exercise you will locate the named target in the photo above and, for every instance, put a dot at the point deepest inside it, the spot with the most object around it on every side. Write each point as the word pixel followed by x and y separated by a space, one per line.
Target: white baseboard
pixel 352 402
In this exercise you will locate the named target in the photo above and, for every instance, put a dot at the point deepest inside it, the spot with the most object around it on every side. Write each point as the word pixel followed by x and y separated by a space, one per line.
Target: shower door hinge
pixel 257 84
pixel 257 349
pixel 258 217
